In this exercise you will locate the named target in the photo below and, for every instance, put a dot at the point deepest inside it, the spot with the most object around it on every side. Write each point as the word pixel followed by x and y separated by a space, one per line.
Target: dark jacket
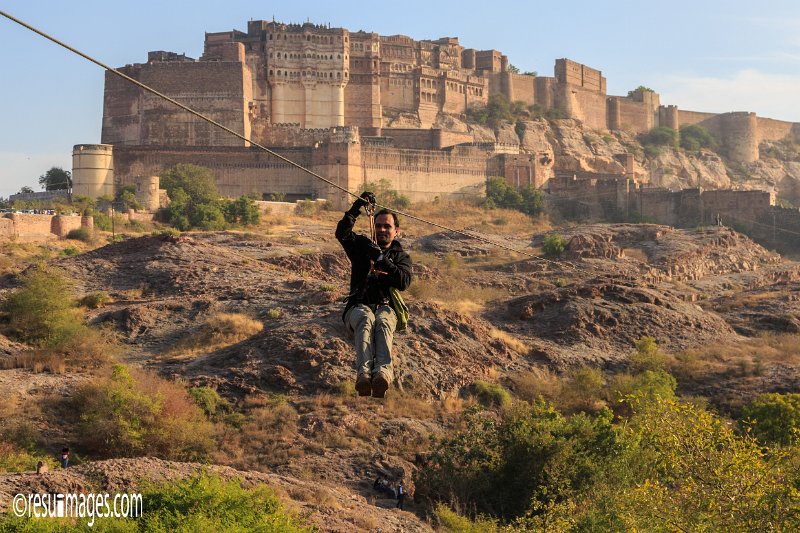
pixel 366 289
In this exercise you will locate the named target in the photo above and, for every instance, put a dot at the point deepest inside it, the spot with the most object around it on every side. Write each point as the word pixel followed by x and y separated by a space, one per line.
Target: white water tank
pixel 93 170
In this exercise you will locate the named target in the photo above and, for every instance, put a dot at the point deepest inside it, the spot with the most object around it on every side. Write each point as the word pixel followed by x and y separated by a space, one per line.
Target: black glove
pixel 384 264
pixel 366 198
pixel 373 251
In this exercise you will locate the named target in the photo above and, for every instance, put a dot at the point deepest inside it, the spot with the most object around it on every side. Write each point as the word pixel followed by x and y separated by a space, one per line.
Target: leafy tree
pixel 386 195
pixel 196 181
pixel 529 200
pixel 243 211
pixel 695 137
pixel 40 312
pixel 701 476
pixel 26 190
pixel 640 89
pixel 127 197
pixel 194 200
pixel 56 179
pixel 513 69
pixel 773 418
pixel 553 245
pixel 660 136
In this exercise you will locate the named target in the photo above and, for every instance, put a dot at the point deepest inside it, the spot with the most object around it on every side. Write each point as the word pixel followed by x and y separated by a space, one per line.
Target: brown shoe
pixel 363 385
pixel 379 385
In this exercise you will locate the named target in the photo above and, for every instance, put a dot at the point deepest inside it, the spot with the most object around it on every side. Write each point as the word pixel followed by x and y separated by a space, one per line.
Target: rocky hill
pixel 476 315
pixel 577 148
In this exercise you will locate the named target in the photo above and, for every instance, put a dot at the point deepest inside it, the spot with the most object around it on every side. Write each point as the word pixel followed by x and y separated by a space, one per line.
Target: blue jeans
pixel 373 333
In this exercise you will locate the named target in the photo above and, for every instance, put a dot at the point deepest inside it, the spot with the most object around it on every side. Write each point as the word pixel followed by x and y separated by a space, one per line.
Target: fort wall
pixel 219 90
pixel 40 227
pixel 421 175
pixel 777 130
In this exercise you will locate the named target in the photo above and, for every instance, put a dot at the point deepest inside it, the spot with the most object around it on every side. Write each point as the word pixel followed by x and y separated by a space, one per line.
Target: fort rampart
pixel 27 226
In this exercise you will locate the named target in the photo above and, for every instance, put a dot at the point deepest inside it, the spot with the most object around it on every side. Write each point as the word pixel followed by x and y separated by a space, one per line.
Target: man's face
pixel 385 230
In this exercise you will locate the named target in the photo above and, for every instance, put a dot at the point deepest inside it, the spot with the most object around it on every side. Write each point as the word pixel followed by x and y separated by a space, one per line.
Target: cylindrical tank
pixel 93 170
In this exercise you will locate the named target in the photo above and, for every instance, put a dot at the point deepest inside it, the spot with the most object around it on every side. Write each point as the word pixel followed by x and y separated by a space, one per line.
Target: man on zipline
pixel 376 268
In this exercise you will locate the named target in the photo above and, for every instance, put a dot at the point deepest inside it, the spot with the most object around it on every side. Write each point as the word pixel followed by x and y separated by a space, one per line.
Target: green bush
pixel 209 401
pixel 773 418
pixel 69 251
pixel 647 356
pixel 553 245
pixel 203 502
pixel 491 394
pixel 95 300
pixel 694 137
pixel 133 413
pixel 386 195
pixel 529 200
pixel 243 211
pixel 80 234
pixel 41 311
pixel 660 136
pixel 531 458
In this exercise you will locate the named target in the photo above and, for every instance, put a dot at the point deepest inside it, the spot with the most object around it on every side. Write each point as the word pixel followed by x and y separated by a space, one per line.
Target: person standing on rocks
pixel 368 314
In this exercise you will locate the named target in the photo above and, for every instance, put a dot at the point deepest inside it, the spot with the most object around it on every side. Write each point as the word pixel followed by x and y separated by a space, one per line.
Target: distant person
pixel 64 457
pixel 401 495
pixel 376 268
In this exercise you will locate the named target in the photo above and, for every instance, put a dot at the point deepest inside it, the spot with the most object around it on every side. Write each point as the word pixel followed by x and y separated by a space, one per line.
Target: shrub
pixel 694 137
pixel 553 245
pixel 306 208
pixel 209 400
pixel 41 311
pixel 491 394
pixel 80 234
pixel 386 195
pixel 133 413
pixel 69 251
pixel 529 200
pixel 773 418
pixel 95 300
pixel 242 211
pixel 647 356
pixel 202 502
pixel 660 136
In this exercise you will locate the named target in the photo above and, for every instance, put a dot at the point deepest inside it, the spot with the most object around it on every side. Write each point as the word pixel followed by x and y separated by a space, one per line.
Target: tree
pixel 694 137
pixel 640 89
pixel 553 245
pixel 243 211
pixel 773 418
pixel 513 69
pixel 26 190
pixel 127 197
pixel 194 200
pixel 196 181
pixel 56 179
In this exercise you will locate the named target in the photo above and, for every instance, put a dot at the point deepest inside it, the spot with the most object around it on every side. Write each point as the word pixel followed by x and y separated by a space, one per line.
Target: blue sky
pixel 712 55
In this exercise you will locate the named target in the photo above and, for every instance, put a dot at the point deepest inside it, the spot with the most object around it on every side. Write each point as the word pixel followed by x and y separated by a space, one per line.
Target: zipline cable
pixel 271 152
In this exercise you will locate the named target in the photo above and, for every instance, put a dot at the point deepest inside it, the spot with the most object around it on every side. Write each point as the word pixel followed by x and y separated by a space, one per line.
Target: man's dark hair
pixel 387 212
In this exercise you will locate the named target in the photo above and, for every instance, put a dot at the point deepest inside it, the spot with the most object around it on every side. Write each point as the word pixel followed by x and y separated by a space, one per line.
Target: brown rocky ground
pixel 476 314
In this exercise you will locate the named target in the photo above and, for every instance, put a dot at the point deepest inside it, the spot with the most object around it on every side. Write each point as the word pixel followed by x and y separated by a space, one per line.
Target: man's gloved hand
pixel 385 265
pixel 366 198
pixel 374 251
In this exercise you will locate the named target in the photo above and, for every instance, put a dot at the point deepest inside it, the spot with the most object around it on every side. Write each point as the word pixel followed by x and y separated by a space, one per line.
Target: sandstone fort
pixel 358 107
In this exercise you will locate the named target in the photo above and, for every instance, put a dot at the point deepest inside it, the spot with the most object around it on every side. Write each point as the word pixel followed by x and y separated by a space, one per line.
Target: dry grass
pixel 748 357
pixel 463 214
pixel 218 331
pixel 636 253
pixel 35 361
pixel 510 341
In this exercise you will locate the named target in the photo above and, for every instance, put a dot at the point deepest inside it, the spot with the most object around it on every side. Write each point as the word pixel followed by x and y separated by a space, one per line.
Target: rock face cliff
pixel 575 147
